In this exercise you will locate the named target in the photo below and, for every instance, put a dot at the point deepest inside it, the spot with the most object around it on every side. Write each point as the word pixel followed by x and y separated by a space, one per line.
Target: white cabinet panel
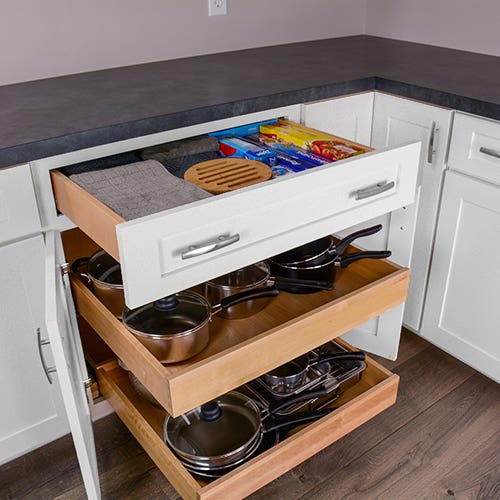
pixel 462 313
pixel 18 208
pixel 349 117
pixel 397 120
pixel 32 410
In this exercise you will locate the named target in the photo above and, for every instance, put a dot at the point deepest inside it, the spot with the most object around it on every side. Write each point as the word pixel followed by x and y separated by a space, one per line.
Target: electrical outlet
pixel 217 7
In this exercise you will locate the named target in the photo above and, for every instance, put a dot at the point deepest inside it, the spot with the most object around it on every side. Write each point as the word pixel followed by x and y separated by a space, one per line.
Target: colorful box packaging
pixel 237 147
pixel 326 145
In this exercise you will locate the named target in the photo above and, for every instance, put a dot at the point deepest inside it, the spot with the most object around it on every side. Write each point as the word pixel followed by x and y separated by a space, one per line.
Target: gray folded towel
pixel 139 189
pixel 178 156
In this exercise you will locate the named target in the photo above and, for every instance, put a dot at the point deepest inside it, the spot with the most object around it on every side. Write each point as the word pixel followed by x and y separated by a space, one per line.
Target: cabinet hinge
pixel 65 268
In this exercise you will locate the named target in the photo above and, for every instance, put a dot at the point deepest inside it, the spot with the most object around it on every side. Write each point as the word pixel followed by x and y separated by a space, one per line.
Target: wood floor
pixel 440 440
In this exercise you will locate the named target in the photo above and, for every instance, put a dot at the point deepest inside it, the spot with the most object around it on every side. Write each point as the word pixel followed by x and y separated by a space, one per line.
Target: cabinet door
pixel 397 120
pixel 462 313
pixel 69 361
pixel 33 413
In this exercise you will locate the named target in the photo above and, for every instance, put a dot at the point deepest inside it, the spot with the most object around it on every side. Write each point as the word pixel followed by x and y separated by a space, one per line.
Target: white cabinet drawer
pixel 265 219
pixel 18 209
pixel 475 147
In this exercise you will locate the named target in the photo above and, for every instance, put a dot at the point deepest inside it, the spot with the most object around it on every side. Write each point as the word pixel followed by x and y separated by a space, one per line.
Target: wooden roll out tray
pixel 227 174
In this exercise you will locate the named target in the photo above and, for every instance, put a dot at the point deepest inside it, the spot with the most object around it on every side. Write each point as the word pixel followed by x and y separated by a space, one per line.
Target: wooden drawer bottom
pixel 375 392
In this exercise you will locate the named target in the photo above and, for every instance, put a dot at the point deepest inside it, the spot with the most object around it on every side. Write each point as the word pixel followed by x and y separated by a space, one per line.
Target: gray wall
pixel 42 38
pixel 460 24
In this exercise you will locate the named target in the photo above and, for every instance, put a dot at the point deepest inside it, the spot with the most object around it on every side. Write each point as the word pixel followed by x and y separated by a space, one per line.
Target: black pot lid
pixel 176 314
pixel 216 430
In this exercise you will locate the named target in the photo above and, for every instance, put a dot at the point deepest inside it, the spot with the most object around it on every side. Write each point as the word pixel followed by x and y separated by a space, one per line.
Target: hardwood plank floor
pixel 440 440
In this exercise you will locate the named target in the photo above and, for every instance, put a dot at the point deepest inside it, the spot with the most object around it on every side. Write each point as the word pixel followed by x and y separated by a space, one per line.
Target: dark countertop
pixel 57 115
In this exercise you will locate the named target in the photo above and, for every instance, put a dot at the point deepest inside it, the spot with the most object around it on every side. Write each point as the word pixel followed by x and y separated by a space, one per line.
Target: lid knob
pixel 166 304
pixel 210 412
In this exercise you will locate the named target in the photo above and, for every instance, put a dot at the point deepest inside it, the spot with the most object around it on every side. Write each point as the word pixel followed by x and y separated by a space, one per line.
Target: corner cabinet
pixel 386 121
pixel 268 218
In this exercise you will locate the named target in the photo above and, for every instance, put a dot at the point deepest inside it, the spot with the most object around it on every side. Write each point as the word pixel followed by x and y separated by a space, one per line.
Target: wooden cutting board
pixel 227 174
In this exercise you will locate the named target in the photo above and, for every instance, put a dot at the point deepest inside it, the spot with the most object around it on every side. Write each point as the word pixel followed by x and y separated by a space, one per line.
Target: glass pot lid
pixel 220 429
pixel 103 268
pixel 177 314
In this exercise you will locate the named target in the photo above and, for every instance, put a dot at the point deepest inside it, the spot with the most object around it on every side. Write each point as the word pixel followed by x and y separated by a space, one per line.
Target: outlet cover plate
pixel 217 7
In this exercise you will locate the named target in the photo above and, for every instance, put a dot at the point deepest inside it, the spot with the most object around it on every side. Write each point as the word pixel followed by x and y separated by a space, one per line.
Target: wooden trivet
pixel 227 174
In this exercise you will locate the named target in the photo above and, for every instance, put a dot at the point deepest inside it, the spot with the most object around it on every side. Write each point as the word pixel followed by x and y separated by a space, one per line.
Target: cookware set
pixel 177 327
pixel 212 439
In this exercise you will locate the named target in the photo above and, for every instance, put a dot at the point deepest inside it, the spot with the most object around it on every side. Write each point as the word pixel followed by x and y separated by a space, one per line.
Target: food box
pixel 326 145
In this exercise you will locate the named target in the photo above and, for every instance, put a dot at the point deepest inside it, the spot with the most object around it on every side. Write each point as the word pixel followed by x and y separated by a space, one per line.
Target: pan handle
pixel 75 268
pixel 340 247
pixel 339 356
pixel 296 398
pixel 256 293
pixel 297 419
pixel 281 281
pixel 345 260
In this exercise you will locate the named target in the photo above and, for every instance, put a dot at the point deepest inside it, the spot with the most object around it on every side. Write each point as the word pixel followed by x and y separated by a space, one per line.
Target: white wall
pixel 460 24
pixel 43 38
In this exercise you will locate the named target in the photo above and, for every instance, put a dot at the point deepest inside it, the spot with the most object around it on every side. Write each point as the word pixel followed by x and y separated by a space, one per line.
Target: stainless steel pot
pixel 251 278
pixel 288 377
pixel 177 327
pixel 138 385
pixel 104 275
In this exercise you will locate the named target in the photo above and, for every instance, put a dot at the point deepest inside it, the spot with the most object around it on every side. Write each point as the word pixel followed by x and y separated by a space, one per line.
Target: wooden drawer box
pixel 375 392
pixel 268 218
pixel 241 350
pixel 475 147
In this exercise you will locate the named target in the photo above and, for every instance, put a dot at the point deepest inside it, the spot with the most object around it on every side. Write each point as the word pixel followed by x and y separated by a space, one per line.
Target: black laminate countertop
pixel 57 115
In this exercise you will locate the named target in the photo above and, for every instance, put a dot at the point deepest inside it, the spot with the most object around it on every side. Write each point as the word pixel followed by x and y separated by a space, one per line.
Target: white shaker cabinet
pixel 462 311
pixel 32 409
pixel 385 121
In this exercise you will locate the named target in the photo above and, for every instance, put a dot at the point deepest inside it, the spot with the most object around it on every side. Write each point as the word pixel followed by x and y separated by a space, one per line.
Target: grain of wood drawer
pixel 269 218
pixel 375 392
pixel 18 208
pixel 475 147
pixel 241 350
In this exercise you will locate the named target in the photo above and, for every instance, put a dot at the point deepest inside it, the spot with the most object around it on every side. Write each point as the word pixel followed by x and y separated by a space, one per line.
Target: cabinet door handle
pixel 489 152
pixel 370 191
pixel 47 369
pixel 431 150
pixel 221 241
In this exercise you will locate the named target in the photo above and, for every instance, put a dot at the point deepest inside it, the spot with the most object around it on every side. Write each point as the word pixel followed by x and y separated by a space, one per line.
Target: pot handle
pixel 339 356
pixel 298 419
pixel 255 293
pixel 296 398
pixel 75 268
pixel 345 260
pixel 280 281
pixel 340 247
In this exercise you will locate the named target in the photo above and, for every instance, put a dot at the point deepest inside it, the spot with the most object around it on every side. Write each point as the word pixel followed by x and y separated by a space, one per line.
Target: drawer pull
pixel 46 369
pixel 490 152
pixel 221 241
pixel 370 191
pixel 431 150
